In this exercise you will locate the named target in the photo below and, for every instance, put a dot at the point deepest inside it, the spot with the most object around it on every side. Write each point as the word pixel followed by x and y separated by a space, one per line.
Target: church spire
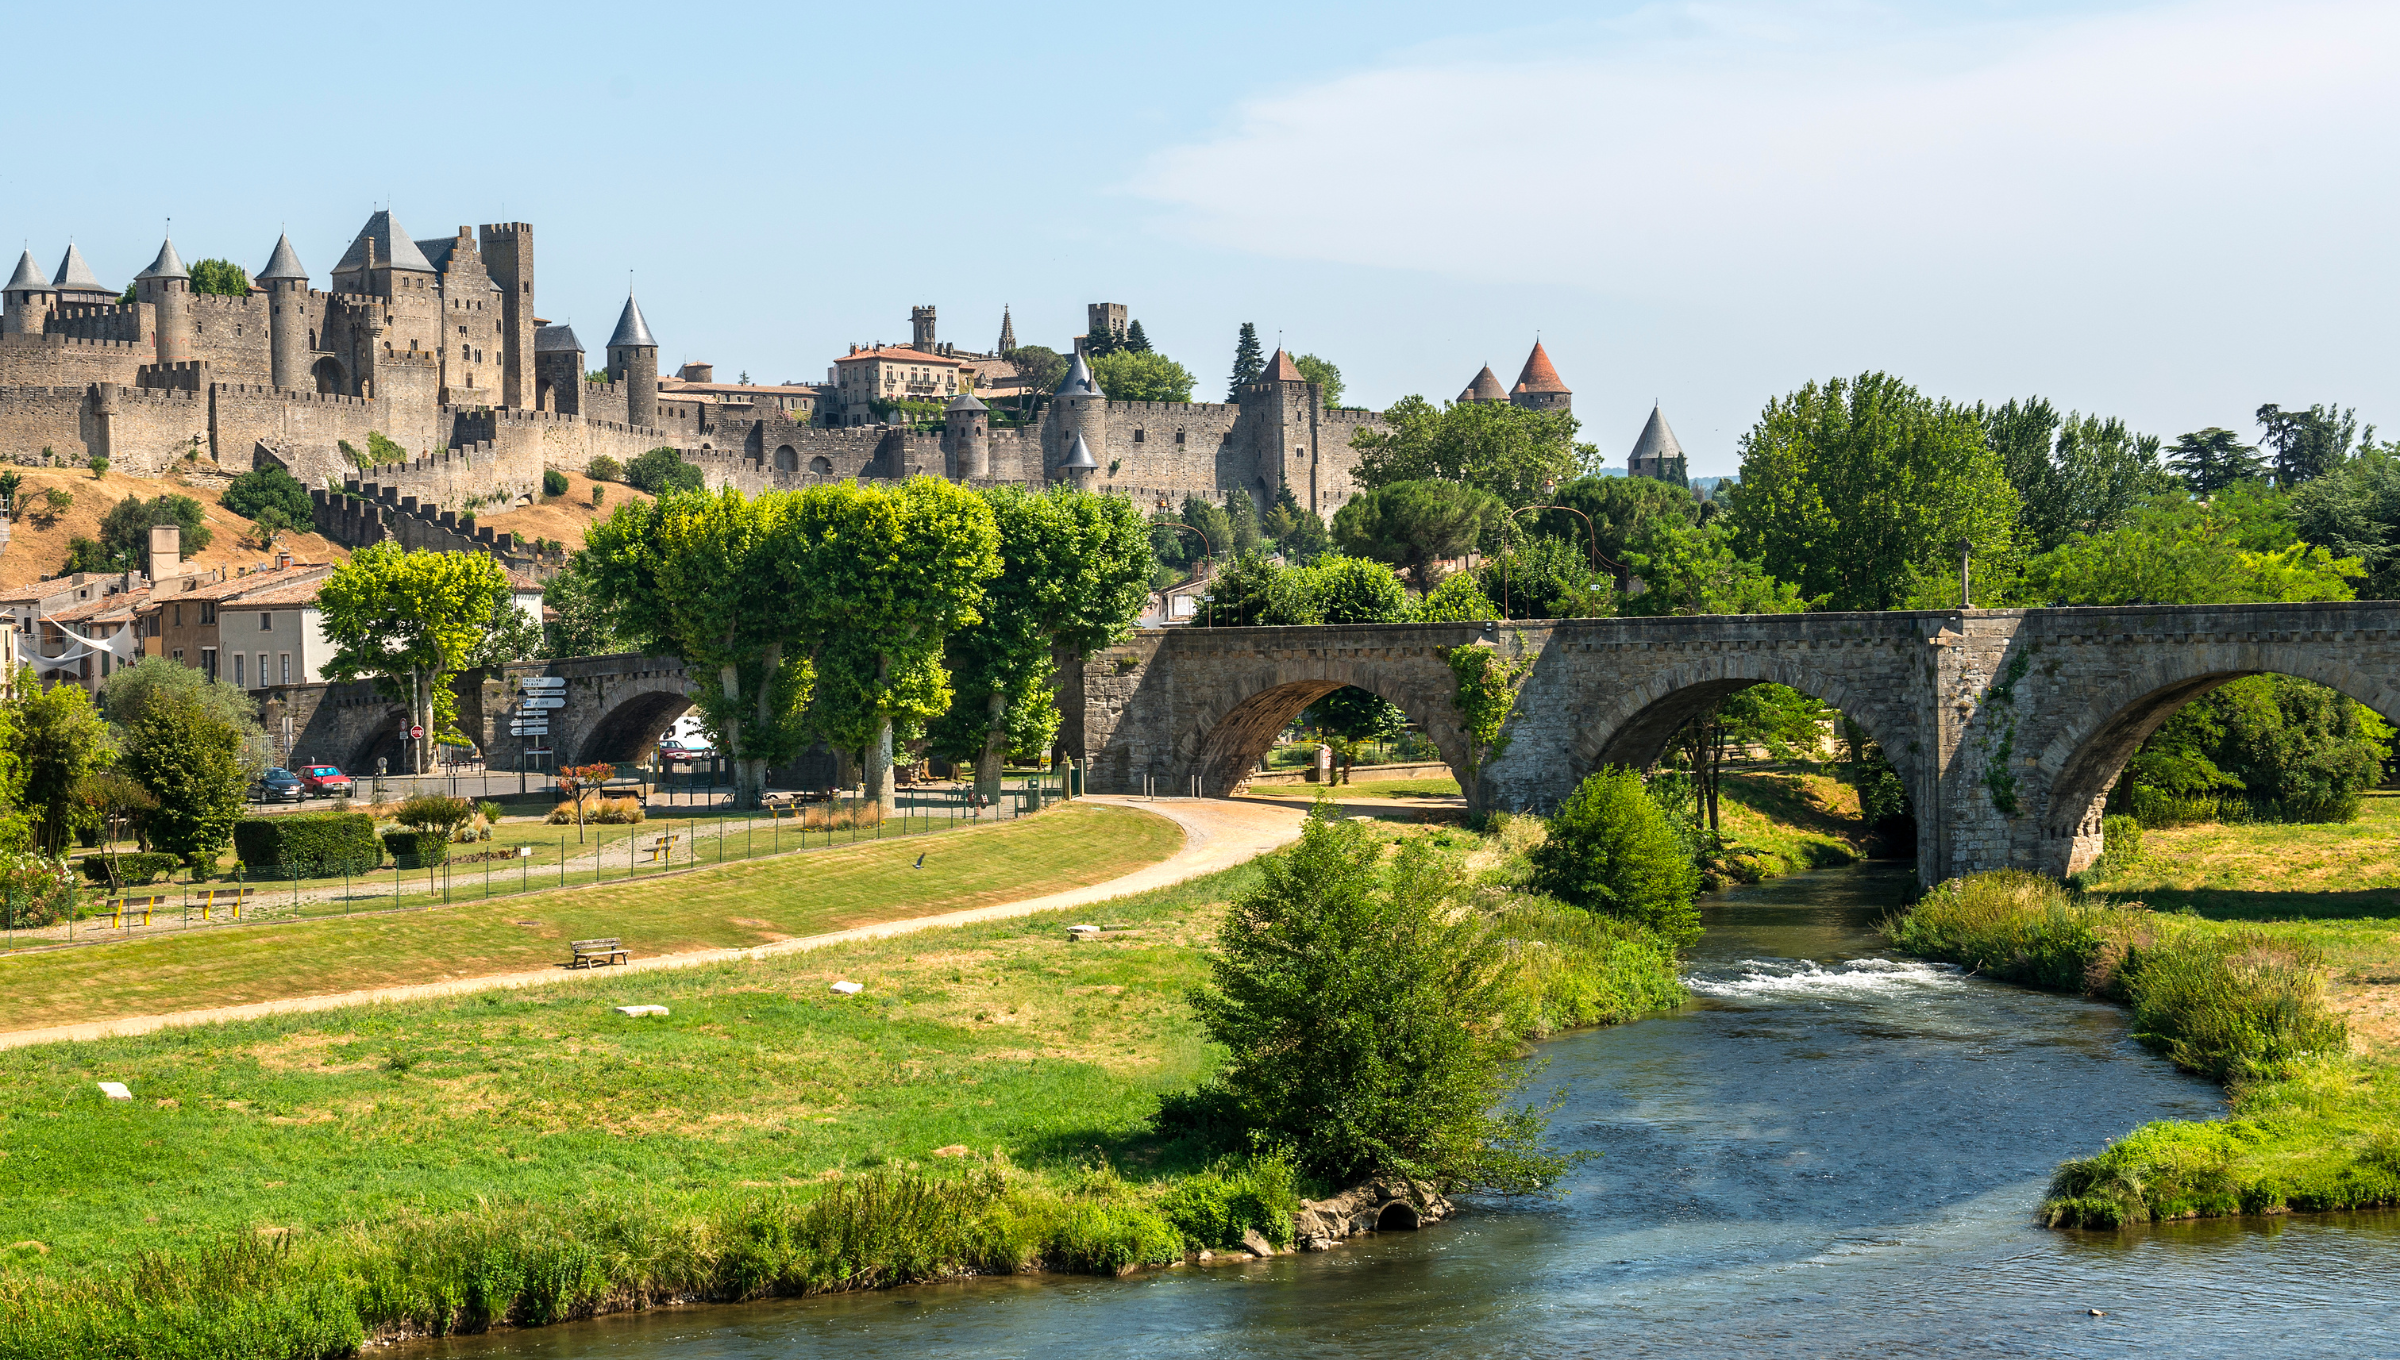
pixel 1008 331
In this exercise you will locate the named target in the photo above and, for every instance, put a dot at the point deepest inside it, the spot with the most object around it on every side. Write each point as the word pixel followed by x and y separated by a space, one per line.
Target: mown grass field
pixel 738 904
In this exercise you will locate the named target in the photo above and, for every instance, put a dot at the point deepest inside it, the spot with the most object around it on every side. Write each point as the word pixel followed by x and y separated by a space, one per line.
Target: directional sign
pixel 543 701
pixel 537 730
pixel 545 682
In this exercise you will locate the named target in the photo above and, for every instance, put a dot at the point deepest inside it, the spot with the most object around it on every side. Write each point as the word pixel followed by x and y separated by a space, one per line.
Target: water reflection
pixel 1829 1152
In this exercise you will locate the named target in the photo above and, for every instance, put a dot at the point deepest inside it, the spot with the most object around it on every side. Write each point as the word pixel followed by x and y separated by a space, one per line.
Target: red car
pixel 324 781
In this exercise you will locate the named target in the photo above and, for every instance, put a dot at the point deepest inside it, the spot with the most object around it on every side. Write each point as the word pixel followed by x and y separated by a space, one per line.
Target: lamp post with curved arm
pixel 1618 568
pixel 1207 561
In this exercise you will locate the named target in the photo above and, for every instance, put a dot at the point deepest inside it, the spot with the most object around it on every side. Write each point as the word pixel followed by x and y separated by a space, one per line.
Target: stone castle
pixel 436 346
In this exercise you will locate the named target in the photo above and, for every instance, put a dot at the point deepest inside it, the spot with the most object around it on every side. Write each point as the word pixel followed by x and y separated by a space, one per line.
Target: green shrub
pixel 434 812
pixel 310 844
pixel 554 482
pixel 604 469
pixel 1355 1001
pixel 2120 844
pixel 662 470
pixel 1213 1209
pixel 130 871
pixel 268 488
pixel 1611 850
pixel 1104 1238
pixel 417 849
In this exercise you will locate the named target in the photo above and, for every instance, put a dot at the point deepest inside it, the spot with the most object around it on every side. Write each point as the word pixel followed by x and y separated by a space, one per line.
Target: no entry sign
pixel 416 733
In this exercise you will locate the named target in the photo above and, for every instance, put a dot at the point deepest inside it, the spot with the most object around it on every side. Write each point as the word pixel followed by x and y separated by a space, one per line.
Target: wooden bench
pixel 587 952
pixel 661 850
pixel 230 898
pixel 118 908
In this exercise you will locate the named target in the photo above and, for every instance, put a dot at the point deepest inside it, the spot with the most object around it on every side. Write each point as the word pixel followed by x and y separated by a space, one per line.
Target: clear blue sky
pixel 2168 211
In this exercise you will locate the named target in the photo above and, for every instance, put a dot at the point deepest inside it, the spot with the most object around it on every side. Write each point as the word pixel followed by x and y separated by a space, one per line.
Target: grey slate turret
pixel 383 244
pixel 966 437
pixel 74 276
pixel 28 278
pixel 283 264
pixel 1078 381
pixel 632 330
pixel 168 265
pixel 167 286
pixel 1657 454
pixel 24 303
pixel 633 361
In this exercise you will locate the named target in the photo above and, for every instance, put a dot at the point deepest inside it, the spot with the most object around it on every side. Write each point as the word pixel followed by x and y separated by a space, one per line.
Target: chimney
pixel 166 552
pixel 283 561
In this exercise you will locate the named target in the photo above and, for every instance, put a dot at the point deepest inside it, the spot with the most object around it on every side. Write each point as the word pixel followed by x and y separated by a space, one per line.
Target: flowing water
pixel 1830 1152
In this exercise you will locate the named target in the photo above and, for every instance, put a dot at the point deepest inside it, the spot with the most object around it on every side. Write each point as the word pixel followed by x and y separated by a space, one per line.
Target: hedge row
pixel 311 844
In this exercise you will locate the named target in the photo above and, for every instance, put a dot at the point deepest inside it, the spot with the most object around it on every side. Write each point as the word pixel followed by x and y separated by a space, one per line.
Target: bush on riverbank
pixel 2313 1128
pixel 1568 968
pixel 1610 849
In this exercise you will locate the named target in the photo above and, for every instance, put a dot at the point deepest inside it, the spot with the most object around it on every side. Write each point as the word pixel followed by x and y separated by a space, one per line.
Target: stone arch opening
pixel 1231 747
pixel 2086 758
pixel 629 731
pixel 821 465
pixel 385 743
pixel 787 458
pixel 1398 1216
pixel 331 380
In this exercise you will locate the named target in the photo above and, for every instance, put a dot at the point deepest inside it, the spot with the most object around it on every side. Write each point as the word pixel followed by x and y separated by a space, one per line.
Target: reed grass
pixel 1571 969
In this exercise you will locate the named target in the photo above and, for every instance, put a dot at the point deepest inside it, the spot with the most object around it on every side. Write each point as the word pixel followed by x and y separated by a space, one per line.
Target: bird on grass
pixel 920 862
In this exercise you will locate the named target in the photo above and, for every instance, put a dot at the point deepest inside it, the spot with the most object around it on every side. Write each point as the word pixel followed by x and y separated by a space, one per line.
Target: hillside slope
pixel 38 542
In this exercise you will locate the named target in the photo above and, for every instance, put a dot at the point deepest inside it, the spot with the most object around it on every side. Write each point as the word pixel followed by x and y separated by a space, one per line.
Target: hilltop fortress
pixel 435 345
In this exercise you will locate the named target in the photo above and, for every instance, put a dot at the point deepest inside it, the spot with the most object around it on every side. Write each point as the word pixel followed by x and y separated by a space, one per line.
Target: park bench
pixel 118 908
pixel 662 850
pixel 587 952
pixel 229 898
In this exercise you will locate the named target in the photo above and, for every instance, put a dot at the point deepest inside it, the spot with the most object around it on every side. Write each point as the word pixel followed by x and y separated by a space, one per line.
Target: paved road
pixel 1217 834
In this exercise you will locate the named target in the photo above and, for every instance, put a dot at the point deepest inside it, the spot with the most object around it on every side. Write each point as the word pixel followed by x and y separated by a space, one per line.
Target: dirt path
pixel 1217 834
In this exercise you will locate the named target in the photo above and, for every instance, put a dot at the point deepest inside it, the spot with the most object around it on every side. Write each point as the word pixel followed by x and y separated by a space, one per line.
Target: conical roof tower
pixel 1657 454
pixel 283 264
pixel 1079 380
pixel 1282 369
pixel 74 276
pixel 632 331
pixel 168 265
pixel 1539 375
pixel 1486 387
pixel 28 278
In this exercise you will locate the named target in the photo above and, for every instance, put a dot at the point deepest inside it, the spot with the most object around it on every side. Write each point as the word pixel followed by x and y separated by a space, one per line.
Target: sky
pixel 2168 212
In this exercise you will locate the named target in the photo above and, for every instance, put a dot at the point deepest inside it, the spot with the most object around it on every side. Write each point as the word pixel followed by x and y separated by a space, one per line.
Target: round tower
pixel 167 286
pixel 1081 469
pixel 1078 412
pixel 633 361
pixel 25 303
pixel 966 432
pixel 287 317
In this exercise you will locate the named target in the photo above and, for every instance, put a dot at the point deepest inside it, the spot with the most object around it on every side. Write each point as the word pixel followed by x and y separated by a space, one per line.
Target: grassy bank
pixel 1777 822
pixel 283 1187
pixel 734 905
pixel 2314 1124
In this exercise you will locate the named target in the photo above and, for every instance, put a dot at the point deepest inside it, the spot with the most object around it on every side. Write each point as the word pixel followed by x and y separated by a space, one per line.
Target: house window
pixel 237 671
pixel 266 623
pixel 208 612
pixel 179 656
pixel 179 613
pixel 1137 436
pixel 208 662
pixel 1179 436
pixel 263 680
pixel 287 667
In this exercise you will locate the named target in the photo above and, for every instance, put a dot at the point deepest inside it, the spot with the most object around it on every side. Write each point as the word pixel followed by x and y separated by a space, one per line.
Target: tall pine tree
pixel 1135 340
pixel 1248 362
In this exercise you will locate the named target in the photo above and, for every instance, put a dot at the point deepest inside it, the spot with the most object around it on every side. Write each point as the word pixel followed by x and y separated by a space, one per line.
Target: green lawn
pixel 737 904
pixel 1440 787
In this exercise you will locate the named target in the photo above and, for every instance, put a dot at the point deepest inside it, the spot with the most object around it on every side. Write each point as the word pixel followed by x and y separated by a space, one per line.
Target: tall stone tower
pixel 1102 316
pixel 1538 387
pixel 507 249
pixel 1008 328
pixel 167 286
pixel 25 303
pixel 920 330
pixel 1285 411
pixel 966 432
pixel 633 361
pixel 287 318
pixel 1657 454
pixel 1078 416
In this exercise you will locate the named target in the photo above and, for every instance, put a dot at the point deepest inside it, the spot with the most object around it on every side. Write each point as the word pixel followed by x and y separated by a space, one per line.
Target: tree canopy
pixel 1141 375
pixel 2212 459
pixel 1512 452
pixel 409 620
pixel 2080 475
pixel 2179 551
pixel 268 487
pixel 221 277
pixel 1324 374
pixel 1248 362
pixel 1416 525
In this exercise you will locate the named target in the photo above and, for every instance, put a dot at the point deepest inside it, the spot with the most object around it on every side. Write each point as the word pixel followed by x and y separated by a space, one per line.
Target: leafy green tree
pixel 1129 375
pixel 221 277
pixel 1296 529
pixel 264 487
pixel 1356 1002
pixel 1074 574
pixel 1102 342
pixel 1042 369
pixel 2082 475
pixel 717 581
pixel 1243 516
pixel 1617 515
pixel 1610 850
pixel 1215 524
pixel 2354 511
pixel 16 821
pixel 1249 361
pixel 410 620
pixel 1324 374
pixel 1509 451
pixel 1417 525
pixel 2212 459
pixel 1789 724
pixel 190 759
pixel 1136 339
pixel 1251 591
pixel 2178 551
pixel 60 738
pixel 1546 578
pixel 2309 443
pixel 1353 590
pixel 585 622
pixel 125 529
pixel 10 480
pixel 1458 599
pixel 662 470
pixel 1356 714
pixel 133 690
pixel 1693 569
pixel 1851 487
pixel 888 575
pixel 2292 749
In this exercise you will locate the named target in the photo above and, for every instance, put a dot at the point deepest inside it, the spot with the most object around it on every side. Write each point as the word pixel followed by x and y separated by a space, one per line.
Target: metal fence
pixel 520 858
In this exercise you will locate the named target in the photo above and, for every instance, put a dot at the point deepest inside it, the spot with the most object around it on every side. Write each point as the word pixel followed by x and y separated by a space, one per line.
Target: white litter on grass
pixel 848 988
pixel 1083 932
pixel 115 1090
pixel 641 1010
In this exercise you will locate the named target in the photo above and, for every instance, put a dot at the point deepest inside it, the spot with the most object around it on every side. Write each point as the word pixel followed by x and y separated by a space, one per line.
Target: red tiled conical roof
pixel 1539 376
pixel 1486 387
pixel 1281 369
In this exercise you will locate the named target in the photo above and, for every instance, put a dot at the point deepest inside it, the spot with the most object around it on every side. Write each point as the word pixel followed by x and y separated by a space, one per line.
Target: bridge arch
pixel 1634 726
pixel 1225 745
pixel 2089 748
pixel 630 727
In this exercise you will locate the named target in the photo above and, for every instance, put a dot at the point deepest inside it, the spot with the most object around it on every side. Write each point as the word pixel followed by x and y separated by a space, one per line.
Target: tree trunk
pixel 989 761
pixel 879 786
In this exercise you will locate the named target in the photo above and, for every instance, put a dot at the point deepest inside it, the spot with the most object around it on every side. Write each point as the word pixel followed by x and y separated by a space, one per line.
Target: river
pixel 1830 1152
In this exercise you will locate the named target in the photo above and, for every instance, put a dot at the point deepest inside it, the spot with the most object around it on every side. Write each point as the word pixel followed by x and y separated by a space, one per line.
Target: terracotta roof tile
pixel 1281 369
pixel 1539 376
pixel 898 355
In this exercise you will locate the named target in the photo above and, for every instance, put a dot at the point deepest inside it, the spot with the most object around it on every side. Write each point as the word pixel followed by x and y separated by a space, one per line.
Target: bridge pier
pixel 2007 727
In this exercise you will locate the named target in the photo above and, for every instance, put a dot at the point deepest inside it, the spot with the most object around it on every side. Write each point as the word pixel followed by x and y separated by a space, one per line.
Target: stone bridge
pixel 2008 726
pixel 616 709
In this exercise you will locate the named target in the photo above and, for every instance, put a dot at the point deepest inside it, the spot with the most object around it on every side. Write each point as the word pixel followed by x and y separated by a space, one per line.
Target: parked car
pixel 281 786
pixel 679 748
pixel 325 781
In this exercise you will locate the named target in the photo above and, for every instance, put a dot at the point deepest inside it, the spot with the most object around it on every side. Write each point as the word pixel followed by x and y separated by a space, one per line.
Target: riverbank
pixel 985 1102
pixel 2240 985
